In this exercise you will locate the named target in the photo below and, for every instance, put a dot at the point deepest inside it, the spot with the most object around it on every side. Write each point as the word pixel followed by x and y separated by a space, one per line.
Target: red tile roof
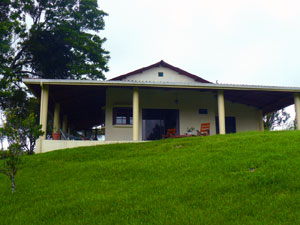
pixel 166 65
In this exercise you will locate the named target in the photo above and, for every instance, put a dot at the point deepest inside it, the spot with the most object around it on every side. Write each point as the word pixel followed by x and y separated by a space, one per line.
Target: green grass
pixel 248 178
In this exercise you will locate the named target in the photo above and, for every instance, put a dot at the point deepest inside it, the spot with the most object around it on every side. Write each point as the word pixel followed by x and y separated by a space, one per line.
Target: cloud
pixel 230 41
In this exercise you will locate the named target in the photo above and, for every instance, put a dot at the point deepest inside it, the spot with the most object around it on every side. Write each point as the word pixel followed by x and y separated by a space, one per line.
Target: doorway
pixel 156 122
pixel 230 125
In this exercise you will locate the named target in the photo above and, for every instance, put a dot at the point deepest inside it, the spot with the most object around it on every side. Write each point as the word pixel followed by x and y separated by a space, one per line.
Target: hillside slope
pixel 249 178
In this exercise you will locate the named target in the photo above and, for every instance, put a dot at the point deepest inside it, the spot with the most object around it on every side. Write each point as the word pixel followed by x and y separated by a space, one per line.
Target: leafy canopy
pixel 45 39
pixel 52 39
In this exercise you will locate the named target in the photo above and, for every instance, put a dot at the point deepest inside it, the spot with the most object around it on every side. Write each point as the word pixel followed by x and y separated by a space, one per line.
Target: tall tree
pixel 47 39
pixel 8 26
pixel 22 126
pixel 62 41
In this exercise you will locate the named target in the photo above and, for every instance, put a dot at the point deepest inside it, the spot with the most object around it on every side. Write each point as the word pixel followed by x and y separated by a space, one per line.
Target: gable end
pixel 166 65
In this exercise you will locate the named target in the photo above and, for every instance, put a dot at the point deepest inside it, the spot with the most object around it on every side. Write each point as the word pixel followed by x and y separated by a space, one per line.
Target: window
pixel 160 74
pixel 203 111
pixel 122 116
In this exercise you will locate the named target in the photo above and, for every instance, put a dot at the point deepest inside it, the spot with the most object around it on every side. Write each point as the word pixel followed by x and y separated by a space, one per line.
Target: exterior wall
pixel 152 75
pixel 246 117
pixel 117 97
pixel 188 103
pixel 51 145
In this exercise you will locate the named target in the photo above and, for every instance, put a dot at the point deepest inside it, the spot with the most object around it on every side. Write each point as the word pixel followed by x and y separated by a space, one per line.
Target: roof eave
pixel 161 85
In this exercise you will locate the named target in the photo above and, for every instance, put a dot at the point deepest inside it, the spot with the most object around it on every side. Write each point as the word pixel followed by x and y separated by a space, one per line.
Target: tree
pixel 21 131
pixel 11 157
pixel 8 26
pixel 62 42
pixel 11 162
pixel 22 126
pixel 47 39
pixel 276 119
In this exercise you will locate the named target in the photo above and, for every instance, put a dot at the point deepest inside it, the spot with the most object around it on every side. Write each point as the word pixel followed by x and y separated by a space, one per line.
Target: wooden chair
pixel 204 129
pixel 170 133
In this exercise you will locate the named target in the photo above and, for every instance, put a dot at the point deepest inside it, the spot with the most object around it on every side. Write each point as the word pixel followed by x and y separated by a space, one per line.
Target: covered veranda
pixel 80 105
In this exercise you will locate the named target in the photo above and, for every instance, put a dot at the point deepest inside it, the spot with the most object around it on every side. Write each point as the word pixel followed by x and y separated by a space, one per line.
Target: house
pixel 144 104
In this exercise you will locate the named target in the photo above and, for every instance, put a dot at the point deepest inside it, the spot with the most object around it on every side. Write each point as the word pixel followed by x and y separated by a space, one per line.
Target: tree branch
pixel 37 19
pixel 32 73
pixel 22 63
pixel 17 57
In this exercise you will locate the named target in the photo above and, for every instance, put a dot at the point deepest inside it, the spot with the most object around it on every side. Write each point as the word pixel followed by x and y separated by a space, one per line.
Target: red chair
pixel 170 133
pixel 204 129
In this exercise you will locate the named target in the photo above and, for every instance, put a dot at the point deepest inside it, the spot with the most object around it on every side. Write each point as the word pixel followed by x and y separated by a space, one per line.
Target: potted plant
pixel 55 134
pixel 190 130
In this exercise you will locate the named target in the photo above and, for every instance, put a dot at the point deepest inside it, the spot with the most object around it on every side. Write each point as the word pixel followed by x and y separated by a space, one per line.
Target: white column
pixel 260 120
pixel 56 119
pixel 65 124
pixel 221 111
pixel 135 114
pixel 297 109
pixel 44 109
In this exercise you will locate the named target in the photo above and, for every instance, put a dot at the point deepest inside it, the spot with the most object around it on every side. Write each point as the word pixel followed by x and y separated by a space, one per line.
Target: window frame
pixel 126 113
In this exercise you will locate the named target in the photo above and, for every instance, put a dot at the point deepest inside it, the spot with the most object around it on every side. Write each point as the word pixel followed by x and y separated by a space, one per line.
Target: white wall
pixel 189 102
pixel 246 117
pixel 117 97
pixel 152 75
pixel 51 145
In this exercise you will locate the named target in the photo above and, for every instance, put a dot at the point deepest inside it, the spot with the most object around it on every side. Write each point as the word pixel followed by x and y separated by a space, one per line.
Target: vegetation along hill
pixel 248 178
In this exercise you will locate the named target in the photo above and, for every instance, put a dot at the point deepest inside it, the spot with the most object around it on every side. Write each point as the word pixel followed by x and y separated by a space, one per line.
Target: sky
pixel 232 41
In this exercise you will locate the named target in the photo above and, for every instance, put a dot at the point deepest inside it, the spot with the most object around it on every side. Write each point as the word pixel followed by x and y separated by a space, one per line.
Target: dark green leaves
pixel 62 42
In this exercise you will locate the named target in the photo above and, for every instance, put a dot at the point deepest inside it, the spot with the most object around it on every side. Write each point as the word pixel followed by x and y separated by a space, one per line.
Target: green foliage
pixel 22 126
pixel 4 154
pixel 62 42
pixel 276 119
pixel 21 131
pixel 6 29
pixel 190 129
pixel 248 178
pixel 11 160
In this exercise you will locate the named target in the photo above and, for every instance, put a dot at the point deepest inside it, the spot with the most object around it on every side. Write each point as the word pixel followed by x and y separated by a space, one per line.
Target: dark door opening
pixel 156 122
pixel 230 125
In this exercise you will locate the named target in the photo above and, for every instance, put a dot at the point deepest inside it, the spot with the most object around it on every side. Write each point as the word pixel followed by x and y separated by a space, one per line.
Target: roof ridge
pixel 163 64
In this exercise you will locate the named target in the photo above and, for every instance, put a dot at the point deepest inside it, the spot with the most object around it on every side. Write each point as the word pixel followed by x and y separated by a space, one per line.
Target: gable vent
pixel 160 74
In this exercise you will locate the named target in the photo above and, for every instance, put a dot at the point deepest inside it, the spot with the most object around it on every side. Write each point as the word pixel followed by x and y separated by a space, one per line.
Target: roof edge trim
pixel 161 85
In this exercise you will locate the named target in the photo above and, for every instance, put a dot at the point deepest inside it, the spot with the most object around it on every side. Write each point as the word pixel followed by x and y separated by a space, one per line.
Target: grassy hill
pixel 249 178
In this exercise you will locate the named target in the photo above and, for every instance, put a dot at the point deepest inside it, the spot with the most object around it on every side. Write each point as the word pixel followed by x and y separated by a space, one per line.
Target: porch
pixel 83 105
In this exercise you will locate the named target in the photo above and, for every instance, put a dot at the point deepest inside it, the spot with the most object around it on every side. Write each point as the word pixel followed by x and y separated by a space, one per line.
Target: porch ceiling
pixel 82 102
pixel 268 101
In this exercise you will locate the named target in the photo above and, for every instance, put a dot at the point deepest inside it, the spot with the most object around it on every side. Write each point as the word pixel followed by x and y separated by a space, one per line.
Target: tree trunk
pixel 13 186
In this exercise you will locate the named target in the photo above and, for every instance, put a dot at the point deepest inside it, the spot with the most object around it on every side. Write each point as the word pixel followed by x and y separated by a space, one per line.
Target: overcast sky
pixel 232 41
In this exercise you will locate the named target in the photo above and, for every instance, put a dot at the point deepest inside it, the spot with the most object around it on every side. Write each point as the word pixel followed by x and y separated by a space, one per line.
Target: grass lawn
pixel 248 178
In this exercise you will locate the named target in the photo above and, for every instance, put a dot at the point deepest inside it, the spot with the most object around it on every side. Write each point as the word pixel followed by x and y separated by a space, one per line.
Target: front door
pixel 230 125
pixel 156 122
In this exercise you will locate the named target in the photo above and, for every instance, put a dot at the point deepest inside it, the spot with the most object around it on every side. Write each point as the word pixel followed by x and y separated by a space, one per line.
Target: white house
pixel 144 104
